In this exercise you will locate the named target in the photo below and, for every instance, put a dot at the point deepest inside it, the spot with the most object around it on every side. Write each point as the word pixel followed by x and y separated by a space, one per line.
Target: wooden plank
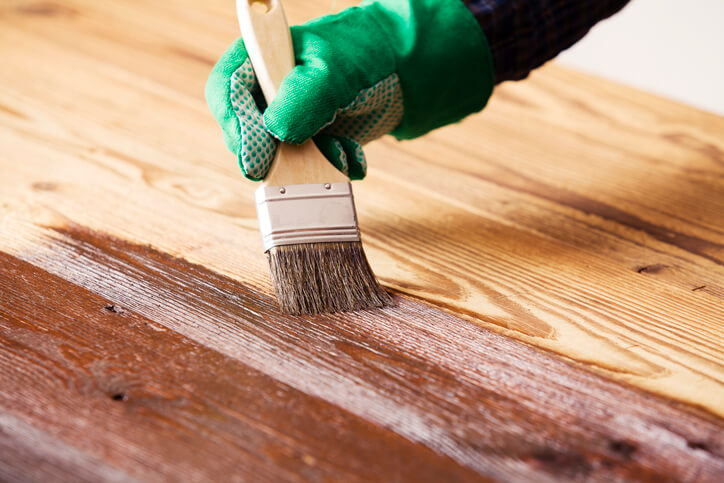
pixel 574 214
pixel 31 454
pixel 117 387
pixel 164 369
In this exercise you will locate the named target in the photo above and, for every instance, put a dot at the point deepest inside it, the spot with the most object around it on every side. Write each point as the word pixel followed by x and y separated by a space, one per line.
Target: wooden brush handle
pixel 268 42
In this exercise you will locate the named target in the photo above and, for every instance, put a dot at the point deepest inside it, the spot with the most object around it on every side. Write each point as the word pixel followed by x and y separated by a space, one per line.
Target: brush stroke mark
pixel 483 402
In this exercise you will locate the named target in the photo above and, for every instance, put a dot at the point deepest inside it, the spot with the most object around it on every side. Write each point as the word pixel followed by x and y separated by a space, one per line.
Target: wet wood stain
pixel 158 367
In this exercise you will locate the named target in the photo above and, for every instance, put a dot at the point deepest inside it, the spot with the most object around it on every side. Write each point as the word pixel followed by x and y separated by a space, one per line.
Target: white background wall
pixel 674 48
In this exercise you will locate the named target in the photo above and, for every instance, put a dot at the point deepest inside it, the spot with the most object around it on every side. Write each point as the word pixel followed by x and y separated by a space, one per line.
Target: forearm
pixel 524 34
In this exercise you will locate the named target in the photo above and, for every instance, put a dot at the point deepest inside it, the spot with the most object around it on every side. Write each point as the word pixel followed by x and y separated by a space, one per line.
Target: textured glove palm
pixel 400 67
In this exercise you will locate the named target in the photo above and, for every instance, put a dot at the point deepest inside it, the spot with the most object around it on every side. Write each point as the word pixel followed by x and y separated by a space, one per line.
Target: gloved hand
pixel 403 67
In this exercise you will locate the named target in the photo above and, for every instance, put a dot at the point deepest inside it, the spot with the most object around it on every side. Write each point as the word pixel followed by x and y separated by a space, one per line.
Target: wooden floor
pixel 558 263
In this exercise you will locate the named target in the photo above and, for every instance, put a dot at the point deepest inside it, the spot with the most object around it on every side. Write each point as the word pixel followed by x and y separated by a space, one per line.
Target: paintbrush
pixel 305 206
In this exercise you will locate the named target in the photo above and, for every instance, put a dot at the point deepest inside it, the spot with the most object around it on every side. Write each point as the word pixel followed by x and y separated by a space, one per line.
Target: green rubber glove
pixel 403 67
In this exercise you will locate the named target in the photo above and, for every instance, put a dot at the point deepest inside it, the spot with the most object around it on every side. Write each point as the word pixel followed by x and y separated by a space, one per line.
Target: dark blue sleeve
pixel 524 34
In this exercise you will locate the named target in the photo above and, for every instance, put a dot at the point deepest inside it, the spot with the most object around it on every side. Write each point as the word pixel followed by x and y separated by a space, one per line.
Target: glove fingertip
pixel 218 92
pixel 256 152
pixel 285 125
pixel 333 150
pixel 304 105
pixel 355 158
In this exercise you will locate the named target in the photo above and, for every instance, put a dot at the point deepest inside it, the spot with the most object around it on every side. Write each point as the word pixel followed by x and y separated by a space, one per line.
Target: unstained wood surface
pixel 557 262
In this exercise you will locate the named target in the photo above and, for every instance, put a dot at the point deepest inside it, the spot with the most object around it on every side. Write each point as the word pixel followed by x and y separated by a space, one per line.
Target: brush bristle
pixel 313 278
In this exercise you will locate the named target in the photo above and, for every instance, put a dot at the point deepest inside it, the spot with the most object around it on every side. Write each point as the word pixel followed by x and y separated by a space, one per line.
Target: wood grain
pixel 124 389
pixel 573 214
pixel 185 374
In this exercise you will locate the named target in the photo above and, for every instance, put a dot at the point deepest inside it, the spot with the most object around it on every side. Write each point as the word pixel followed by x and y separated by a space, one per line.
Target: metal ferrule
pixel 306 213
